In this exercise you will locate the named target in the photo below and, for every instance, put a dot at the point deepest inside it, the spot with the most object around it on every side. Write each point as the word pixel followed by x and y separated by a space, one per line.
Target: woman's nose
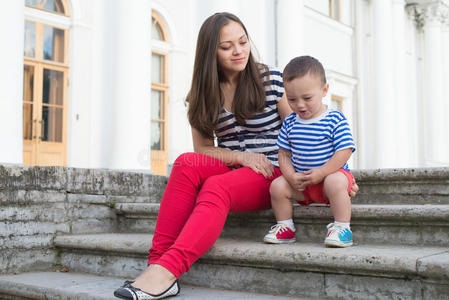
pixel 237 50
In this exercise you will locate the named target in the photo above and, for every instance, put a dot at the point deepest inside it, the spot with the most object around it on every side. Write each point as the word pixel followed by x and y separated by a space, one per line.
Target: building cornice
pixel 429 12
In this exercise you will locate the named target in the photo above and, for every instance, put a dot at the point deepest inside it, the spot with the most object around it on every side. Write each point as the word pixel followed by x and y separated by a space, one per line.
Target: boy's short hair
pixel 301 66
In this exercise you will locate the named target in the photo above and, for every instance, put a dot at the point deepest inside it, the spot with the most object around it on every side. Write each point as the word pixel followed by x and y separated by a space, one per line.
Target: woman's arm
pixel 283 107
pixel 259 163
pixel 206 146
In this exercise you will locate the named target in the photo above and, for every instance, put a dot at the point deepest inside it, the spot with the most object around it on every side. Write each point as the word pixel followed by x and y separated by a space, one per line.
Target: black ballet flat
pixel 127 291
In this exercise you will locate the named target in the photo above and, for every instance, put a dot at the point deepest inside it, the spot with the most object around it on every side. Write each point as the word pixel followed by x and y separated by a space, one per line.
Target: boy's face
pixel 304 95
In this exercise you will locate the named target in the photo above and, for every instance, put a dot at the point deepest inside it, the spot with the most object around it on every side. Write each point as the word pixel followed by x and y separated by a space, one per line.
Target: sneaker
pixel 338 236
pixel 280 234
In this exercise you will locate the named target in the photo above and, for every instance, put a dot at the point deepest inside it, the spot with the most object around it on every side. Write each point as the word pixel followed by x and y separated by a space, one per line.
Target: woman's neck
pixel 231 79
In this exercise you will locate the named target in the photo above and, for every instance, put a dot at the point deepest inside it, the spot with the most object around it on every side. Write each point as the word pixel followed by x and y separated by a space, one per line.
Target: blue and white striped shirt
pixel 313 142
pixel 260 132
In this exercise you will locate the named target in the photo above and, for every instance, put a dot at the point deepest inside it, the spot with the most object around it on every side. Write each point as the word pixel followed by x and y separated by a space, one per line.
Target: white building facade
pixel 102 84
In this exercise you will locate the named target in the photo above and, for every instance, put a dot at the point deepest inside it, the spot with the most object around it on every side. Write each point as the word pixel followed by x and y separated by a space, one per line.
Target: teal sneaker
pixel 338 236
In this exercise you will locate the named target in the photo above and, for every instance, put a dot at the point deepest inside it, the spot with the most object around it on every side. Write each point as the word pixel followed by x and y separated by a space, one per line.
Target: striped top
pixel 313 142
pixel 260 132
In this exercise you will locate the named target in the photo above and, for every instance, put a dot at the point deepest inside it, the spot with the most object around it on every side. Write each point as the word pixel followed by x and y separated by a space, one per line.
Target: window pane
pixel 157 65
pixel 335 9
pixel 337 104
pixel 28 90
pixel 156 136
pixel 53 44
pixel 30 2
pixel 156 31
pixel 28 83
pixel 27 121
pixel 30 39
pixel 52 124
pixel 53 87
pixel 54 6
pixel 156 109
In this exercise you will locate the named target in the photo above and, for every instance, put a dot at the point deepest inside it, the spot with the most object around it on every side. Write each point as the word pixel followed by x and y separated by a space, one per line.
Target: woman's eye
pixel 225 48
pixel 243 43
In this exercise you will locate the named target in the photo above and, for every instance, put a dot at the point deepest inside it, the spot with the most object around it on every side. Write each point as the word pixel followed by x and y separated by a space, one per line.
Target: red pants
pixel 200 193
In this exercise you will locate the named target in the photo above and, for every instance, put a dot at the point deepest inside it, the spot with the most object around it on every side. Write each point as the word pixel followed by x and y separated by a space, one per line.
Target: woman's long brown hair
pixel 205 99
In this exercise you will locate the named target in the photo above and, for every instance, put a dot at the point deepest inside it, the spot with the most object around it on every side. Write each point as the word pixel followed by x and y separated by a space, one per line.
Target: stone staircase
pixel 401 232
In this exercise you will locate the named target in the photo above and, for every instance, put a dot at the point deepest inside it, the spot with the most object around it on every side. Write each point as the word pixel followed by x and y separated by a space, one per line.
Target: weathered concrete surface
pixel 37 203
pixel 371 224
pixel 386 261
pixel 372 288
pixel 435 267
pixel 403 186
pixel 76 286
pixel 22 260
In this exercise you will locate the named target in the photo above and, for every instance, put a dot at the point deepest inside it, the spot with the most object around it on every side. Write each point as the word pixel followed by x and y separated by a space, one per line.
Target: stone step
pixel 403 186
pixel 372 224
pixel 79 286
pixel 300 269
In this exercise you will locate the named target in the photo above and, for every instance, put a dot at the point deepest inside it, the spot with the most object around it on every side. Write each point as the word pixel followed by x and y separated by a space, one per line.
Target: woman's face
pixel 233 49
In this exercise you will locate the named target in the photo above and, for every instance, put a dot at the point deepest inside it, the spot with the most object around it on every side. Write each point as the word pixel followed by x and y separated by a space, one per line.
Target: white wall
pixel 109 73
pixel 11 82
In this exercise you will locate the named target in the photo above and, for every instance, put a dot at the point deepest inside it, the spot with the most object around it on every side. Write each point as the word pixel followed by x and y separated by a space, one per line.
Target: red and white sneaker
pixel 280 234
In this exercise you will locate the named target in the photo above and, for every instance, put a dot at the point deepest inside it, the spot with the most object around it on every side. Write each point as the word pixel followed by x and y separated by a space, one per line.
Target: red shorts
pixel 314 192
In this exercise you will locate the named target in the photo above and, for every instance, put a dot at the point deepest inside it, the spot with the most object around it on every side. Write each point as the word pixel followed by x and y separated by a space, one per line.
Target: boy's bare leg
pixel 281 195
pixel 336 190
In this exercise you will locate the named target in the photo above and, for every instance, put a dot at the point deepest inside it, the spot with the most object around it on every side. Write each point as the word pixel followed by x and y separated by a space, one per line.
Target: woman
pixel 240 102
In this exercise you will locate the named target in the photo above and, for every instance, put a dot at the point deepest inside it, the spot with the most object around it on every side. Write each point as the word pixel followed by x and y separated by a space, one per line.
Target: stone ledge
pixel 422 213
pixel 395 174
pixel 79 286
pixel 383 261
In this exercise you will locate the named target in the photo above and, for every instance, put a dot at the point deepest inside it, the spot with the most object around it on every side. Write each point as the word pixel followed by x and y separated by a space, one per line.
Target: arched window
pixel 54 6
pixel 45 82
pixel 159 96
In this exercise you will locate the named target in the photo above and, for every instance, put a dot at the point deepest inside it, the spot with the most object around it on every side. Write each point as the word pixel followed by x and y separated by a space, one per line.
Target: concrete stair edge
pixel 80 286
pixel 385 261
pixel 425 212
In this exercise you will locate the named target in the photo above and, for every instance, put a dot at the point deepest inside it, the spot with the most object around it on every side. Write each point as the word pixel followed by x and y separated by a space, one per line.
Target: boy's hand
pixel 296 181
pixel 313 176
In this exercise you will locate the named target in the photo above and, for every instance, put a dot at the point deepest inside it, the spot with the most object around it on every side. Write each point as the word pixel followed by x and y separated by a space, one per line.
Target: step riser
pixel 264 280
pixel 375 231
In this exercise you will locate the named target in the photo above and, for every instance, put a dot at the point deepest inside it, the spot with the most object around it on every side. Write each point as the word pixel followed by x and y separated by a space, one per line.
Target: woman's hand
pixel 259 163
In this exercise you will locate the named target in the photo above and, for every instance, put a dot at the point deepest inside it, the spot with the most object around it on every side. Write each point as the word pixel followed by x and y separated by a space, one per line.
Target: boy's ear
pixel 325 89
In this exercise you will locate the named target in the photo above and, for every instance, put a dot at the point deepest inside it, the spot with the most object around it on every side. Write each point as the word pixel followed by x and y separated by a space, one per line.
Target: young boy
pixel 315 143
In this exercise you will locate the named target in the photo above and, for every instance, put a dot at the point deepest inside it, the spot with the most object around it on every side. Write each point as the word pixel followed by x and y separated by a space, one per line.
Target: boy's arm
pixel 295 179
pixel 337 160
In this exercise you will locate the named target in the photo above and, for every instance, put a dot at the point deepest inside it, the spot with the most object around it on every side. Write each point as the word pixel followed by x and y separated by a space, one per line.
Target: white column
pixel 289 31
pixel 11 82
pixel 132 86
pixel 429 17
pixel 404 119
pixel 445 85
pixel 384 138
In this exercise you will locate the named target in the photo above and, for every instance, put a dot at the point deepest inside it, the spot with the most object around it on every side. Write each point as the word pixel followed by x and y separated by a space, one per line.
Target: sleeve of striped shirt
pixel 283 142
pixel 343 136
pixel 276 83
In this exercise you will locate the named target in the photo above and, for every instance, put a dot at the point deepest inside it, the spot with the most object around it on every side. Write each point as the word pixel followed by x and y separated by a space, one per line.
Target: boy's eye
pixel 291 100
pixel 307 98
